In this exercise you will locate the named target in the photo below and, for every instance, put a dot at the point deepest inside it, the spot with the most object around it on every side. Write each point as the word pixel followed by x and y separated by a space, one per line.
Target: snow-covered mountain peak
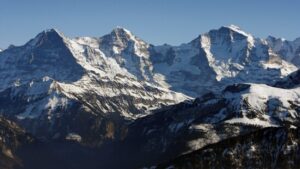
pixel 288 50
pixel 120 31
pixel 225 36
pixel 54 85
pixel 120 36
pixel 122 45
pixel 234 33
pixel 234 27
pixel 52 36
pixel 272 39
pixel 277 103
pixel 228 44
pixel 228 35
pixel 52 30
pixel 229 50
pixel 237 29
pixel 112 43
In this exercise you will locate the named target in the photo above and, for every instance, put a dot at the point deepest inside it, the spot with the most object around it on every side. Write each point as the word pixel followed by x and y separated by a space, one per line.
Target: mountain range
pixel 133 104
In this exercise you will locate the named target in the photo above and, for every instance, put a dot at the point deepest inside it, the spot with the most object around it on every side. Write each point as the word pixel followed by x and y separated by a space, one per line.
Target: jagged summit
pixel 95 90
pixel 232 26
pixel 271 38
pixel 224 52
pixel 224 34
pixel 235 29
pixel 52 32
pixel 48 35
pixel 120 35
pixel 121 30
pixel 122 40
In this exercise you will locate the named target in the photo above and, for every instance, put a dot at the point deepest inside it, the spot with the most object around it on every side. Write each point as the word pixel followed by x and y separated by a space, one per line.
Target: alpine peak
pixel 122 33
pixel 52 35
pixel 121 29
pixel 53 32
pixel 236 29
pixel 272 38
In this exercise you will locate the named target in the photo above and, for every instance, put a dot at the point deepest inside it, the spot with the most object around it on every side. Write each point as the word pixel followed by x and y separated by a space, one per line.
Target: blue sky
pixel 156 21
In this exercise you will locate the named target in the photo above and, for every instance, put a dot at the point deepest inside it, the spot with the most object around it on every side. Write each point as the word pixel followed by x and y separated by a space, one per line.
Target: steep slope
pixel 213 120
pixel 237 110
pixel 45 55
pixel 218 58
pixel 12 137
pixel 288 50
pixel 53 83
pixel 119 91
pixel 290 81
pixel 129 52
pixel 269 148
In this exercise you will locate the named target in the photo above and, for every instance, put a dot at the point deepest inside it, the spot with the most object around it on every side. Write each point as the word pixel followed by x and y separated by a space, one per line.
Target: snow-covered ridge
pixel 238 30
pixel 228 54
pixel 46 35
pixel 78 69
pixel 289 50
pixel 120 73
pixel 225 55
pixel 238 110
pixel 264 105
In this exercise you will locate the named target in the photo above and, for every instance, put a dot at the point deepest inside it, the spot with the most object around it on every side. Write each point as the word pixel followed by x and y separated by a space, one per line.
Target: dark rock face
pixel 94 128
pixel 291 81
pixel 12 137
pixel 274 148
pixel 157 57
pixel 237 88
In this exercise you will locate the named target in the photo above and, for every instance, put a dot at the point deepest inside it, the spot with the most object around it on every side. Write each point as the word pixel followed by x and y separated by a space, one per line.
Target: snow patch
pixel 73 137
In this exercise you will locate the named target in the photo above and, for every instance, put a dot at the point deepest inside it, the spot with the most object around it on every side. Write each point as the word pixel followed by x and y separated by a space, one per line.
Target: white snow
pixel 247 121
pixel 133 73
pixel 73 137
pixel 238 29
pixel 272 102
pixel 203 127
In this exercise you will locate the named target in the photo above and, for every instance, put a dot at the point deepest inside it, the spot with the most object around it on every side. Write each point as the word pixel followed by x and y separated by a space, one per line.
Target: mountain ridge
pixel 120 91
pixel 218 58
